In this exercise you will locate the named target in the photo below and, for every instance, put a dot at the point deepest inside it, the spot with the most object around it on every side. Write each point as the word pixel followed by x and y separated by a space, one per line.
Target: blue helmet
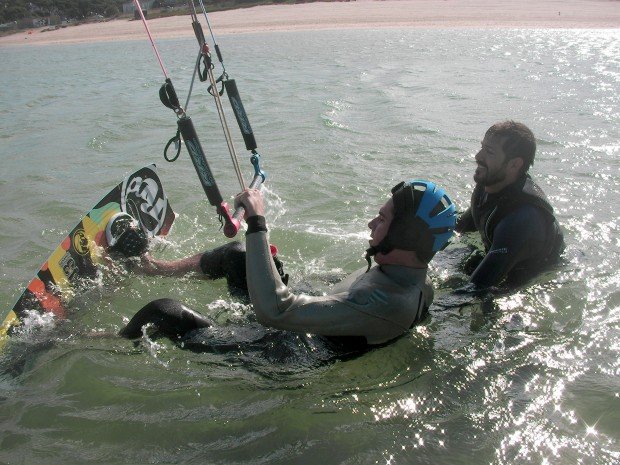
pixel 424 220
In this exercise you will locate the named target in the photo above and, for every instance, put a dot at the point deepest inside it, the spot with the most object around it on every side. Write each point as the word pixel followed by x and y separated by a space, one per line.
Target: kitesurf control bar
pixel 232 223
pixel 230 86
pixel 187 132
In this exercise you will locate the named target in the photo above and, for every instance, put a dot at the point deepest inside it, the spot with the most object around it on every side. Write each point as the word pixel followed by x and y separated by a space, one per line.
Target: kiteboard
pixel 76 261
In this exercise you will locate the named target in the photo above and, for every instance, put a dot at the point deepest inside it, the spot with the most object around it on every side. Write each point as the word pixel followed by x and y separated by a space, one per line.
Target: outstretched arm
pixel 152 266
pixel 226 261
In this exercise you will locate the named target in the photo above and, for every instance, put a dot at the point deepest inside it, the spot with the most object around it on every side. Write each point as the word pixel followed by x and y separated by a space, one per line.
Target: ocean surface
pixel 526 376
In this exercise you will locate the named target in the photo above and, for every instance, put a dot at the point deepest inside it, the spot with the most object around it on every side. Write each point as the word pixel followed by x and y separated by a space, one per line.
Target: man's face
pixel 380 224
pixel 491 161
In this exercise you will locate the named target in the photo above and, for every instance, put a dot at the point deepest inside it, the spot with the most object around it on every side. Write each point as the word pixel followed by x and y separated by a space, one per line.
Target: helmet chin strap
pixel 369 253
pixel 383 248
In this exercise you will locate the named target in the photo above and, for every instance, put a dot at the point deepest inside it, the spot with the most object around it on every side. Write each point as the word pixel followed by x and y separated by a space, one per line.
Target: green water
pixel 340 117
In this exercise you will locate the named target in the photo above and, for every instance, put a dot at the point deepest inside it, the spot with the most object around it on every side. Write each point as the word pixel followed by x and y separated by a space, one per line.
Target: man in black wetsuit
pixel 226 261
pixel 126 239
pixel 509 210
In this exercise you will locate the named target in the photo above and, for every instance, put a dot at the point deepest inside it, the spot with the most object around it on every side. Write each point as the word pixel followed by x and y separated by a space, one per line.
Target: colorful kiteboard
pixel 74 263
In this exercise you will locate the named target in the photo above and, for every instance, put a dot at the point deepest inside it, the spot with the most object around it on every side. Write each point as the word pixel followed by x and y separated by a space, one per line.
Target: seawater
pixel 527 376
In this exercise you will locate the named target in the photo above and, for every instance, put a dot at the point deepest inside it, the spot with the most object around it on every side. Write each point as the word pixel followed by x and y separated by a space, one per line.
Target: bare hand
pixel 253 202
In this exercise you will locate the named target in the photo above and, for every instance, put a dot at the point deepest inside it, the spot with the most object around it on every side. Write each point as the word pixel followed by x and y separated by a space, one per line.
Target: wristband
pixel 256 224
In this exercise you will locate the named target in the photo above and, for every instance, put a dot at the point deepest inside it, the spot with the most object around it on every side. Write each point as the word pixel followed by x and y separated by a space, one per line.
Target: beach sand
pixel 357 14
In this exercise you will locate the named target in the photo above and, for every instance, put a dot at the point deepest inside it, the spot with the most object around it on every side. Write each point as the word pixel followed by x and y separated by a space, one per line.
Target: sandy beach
pixel 357 14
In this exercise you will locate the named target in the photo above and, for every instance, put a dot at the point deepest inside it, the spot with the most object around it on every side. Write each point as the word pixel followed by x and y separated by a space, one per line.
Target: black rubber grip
pixel 240 114
pixel 199 160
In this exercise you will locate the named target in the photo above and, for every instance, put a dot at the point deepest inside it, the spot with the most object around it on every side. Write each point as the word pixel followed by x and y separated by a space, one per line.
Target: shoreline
pixel 361 14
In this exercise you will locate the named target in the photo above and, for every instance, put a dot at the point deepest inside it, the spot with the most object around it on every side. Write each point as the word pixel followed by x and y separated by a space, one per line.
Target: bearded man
pixel 510 211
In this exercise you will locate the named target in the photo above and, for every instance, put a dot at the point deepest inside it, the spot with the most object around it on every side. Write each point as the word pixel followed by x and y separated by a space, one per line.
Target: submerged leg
pixel 169 316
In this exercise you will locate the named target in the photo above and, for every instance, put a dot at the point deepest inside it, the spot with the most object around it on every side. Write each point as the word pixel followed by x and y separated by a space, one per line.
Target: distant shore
pixel 534 14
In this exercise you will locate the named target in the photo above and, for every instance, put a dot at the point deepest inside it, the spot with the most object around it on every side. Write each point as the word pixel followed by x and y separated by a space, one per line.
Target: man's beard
pixel 486 178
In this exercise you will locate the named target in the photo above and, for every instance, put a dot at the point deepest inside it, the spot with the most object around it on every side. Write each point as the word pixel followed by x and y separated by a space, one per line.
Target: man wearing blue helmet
pixel 509 210
pixel 373 305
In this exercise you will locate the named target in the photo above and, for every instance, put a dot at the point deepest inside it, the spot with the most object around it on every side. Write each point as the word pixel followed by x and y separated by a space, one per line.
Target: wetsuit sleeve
pixel 518 237
pixel 465 222
pixel 332 315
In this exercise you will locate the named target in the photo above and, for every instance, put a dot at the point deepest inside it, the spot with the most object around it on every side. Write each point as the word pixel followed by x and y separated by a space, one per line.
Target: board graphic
pixel 74 263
